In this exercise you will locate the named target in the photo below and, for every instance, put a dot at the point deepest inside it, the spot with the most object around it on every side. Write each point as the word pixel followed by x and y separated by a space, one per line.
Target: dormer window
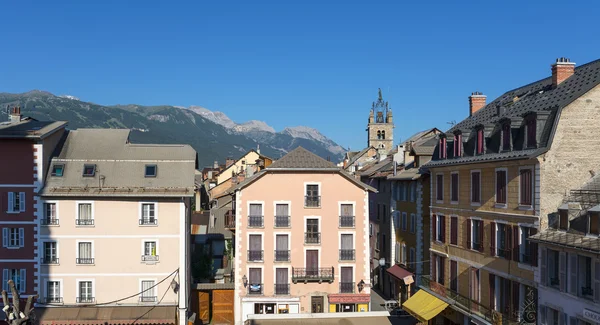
pixel 531 135
pixel 89 170
pixel 506 136
pixel 57 170
pixel 457 145
pixel 150 171
pixel 479 140
pixel 443 148
pixel 563 222
pixel 594 223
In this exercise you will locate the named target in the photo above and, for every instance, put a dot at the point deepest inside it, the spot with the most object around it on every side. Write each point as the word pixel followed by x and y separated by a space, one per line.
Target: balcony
pixel 346 254
pixel 346 287
pixel 303 274
pixel 148 299
pixel 462 303
pixel 256 221
pixel 282 221
pixel 84 260
pixel 504 253
pixel 53 300
pixel 282 256
pixel 312 201
pixel 84 222
pixel 312 238
pixel 49 260
pixel 230 220
pixel 255 289
pixel 346 221
pixel 148 222
pixel 49 222
pixel 255 255
pixel 282 289
pixel 85 300
pixel 149 258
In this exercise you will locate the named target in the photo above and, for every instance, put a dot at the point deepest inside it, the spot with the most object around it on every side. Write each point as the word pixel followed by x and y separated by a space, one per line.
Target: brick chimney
pixel 15 114
pixel 229 161
pixel 476 102
pixel 562 70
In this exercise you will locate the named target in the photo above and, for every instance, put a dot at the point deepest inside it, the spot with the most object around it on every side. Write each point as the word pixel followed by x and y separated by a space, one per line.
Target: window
pixel 411 258
pixel 480 143
pixel 401 191
pixel 476 187
pixel 593 222
pixel 57 170
pixel 50 253
pixel 413 223
pixel 148 214
pixel 404 254
pixel 16 202
pixel 255 251
pixel 50 217
pixel 413 191
pixel 505 136
pixel 150 171
pixel 313 198
pixel 13 237
pixel 454 187
pixel 442 148
pixel 584 266
pixel 347 247
pixel 454 230
pixel 255 216
pixel 282 248
pixel 85 254
pixel 148 294
pixel 370 229
pixel 282 284
pixel 282 215
pixel 85 216
pixel 150 253
pixel 440 229
pixel 531 136
pixel 439 187
pixel 383 135
pixel 85 292
pixel 525 187
pixel 527 249
pixel 397 252
pixel 501 288
pixel 377 241
pixel 553 268
pixel 454 276
pixel 457 145
pixel 53 292
pixel 503 240
pixel 312 235
pixel 89 170
pixel 404 221
pixel 563 219
pixel 19 277
pixel 501 186
pixel 438 266
pixel 475 234
pixel 383 242
pixel 475 292
pixel 255 281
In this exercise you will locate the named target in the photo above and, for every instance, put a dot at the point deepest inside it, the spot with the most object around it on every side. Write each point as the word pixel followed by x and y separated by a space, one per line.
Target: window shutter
pixel 492 238
pixel 468 233
pixel 443 221
pixel 516 286
pixel 563 270
pixel 543 271
pixel 573 274
pixel 434 268
pixel 492 282
pixel 516 248
pixel 509 241
pixel 21 237
pixel 543 314
pixel 597 281
pixel 23 287
pixel 534 248
pixel 5 237
pixel 22 201
pixel 11 201
pixel 5 279
pixel 454 230
pixel 480 235
pixel 434 227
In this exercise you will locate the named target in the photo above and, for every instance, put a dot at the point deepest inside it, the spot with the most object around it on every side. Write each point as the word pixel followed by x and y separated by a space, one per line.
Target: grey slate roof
pixel 539 97
pixel 301 158
pixel 30 128
pixel 120 166
pixel 569 239
pixel 382 165
pixel 357 156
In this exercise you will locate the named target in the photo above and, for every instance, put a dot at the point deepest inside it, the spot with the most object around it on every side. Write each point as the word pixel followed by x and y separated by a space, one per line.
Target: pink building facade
pixel 302 241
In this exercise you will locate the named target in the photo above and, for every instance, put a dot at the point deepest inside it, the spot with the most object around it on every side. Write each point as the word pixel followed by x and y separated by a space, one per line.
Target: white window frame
pixel 154 291
pixel 143 248
pixel 475 204
pixel 521 206
pixel 60 289
pixel 22 196
pixel 438 230
pixel 404 221
pixel 20 237
pixel 43 249
pixel 56 216
pixel 457 187
pixel 340 265
pixel 275 233
pixel 413 223
pixel 436 188
pixel 305 187
pixel 404 253
pixel 141 213
pixel 78 293
pixel 77 203
pixel 506 224
pixel 473 231
pixel 304 229
pixel 77 250
pixel 262 245
pixel 496 204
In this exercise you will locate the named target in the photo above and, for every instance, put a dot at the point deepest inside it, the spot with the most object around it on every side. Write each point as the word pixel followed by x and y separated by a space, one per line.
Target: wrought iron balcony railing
pixel 84 222
pixel 346 254
pixel 53 300
pixel 282 221
pixel 346 221
pixel 256 221
pixel 312 238
pixel 346 287
pixel 282 256
pixel 303 274
pixel 85 300
pixel 255 255
pixel 148 221
pixel 49 260
pixel 49 221
pixel 312 201
pixel 149 258
pixel 84 260
pixel 282 289
pixel 148 298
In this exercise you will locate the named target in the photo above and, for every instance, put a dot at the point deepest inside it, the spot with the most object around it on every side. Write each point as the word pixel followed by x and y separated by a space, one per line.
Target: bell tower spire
pixel 380 130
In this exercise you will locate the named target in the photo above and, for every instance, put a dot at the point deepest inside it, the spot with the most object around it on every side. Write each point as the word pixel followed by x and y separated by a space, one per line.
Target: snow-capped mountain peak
pixel 69 97
pixel 305 132
pixel 254 125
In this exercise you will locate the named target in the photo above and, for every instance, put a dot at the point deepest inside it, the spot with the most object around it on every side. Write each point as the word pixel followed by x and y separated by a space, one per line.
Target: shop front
pixel 340 303
pixel 402 283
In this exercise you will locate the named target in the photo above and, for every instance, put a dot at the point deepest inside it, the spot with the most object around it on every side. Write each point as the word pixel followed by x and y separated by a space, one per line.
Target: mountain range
pixel 213 134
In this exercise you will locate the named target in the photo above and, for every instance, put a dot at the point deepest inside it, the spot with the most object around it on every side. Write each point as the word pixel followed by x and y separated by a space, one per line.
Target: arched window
pixel 379 135
pixel 383 134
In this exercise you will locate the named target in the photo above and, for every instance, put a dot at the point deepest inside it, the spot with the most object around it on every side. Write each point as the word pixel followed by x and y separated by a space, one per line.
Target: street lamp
pixel 361 285
pixel 381 265
pixel 245 280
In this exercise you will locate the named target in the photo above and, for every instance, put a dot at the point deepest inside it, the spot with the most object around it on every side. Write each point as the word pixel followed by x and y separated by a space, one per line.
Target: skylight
pixel 150 171
pixel 89 170
pixel 57 170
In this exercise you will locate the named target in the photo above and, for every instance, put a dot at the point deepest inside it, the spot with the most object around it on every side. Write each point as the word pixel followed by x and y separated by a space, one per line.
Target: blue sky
pixel 313 63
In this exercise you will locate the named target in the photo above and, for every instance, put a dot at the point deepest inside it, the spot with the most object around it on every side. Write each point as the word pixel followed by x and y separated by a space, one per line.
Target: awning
pixel 424 306
pixel 401 274
pixel 349 298
pixel 145 315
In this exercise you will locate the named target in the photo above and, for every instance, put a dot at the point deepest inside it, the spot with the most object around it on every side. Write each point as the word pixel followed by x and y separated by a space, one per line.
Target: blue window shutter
pixel 5 236
pixel 11 201
pixel 23 285
pixel 22 201
pixel 5 279
pixel 21 237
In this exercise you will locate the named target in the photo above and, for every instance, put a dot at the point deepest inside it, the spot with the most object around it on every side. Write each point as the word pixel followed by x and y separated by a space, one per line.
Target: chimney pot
pixel 15 115
pixel 562 70
pixel 476 102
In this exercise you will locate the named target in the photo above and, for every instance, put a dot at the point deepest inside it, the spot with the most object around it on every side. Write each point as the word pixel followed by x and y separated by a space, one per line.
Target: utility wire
pixel 114 301
pixel 156 305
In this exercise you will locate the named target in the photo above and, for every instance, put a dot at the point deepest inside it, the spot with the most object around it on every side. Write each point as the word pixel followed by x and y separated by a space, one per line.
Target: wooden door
pixel 316 304
pixel 203 307
pixel 222 307
pixel 312 262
